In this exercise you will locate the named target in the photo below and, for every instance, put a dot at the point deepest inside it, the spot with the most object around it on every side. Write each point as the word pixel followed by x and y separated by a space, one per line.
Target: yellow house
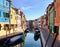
pixel 23 21
pixel 13 22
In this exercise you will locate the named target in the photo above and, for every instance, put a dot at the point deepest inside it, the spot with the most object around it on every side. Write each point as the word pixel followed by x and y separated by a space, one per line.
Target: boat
pixel 36 34
pixel 15 40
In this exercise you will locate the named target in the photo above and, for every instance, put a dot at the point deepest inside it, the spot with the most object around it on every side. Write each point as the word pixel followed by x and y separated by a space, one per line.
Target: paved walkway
pixel 30 42
pixel 44 35
pixel 43 40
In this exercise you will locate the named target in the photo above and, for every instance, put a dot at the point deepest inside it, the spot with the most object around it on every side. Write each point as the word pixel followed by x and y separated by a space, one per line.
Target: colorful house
pixel 13 20
pixel 47 29
pixel 4 14
pixel 47 16
pixel 18 18
pixel 34 23
pixel 51 16
pixel 42 21
pixel 23 20
pixel 57 16
pixel 39 22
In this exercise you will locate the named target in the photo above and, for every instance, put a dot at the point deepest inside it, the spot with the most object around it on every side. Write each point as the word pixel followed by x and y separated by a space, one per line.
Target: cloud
pixel 26 8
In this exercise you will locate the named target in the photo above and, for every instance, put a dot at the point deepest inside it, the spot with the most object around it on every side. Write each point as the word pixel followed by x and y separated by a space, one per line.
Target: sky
pixel 32 9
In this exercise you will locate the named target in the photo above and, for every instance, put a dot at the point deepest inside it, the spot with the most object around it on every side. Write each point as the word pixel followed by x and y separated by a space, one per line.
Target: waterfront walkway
pixel 44 36
pixel 30 42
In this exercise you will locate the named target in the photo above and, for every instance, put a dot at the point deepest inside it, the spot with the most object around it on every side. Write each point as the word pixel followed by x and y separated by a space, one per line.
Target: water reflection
pixel 30 42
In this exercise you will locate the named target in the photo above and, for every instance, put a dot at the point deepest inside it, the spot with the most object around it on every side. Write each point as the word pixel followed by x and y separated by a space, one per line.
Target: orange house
pixel 57 17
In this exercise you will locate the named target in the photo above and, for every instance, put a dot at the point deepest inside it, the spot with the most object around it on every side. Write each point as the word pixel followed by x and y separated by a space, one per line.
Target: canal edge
pixel 43 41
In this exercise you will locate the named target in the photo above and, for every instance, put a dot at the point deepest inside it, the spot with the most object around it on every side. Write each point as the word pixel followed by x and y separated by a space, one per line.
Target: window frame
pixel 6 15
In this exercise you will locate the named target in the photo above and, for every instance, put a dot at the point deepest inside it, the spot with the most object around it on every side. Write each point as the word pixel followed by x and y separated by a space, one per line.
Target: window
pixel 6 15
pixel 6 3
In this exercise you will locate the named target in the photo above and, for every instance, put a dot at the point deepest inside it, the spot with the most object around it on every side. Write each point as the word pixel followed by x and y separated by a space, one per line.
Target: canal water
pixel 30 42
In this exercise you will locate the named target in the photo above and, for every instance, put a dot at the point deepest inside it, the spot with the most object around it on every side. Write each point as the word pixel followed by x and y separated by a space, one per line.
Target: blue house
pixel 4 11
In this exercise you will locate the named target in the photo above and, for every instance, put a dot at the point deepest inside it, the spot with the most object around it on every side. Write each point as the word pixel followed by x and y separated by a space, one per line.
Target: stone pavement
pixel 44 36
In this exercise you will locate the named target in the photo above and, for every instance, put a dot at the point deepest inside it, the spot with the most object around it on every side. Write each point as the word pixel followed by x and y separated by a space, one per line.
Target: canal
pixel 29 41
